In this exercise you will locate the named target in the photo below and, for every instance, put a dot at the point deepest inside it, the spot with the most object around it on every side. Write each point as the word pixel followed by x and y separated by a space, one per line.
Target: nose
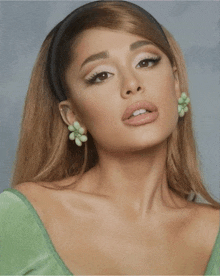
pixel 130 85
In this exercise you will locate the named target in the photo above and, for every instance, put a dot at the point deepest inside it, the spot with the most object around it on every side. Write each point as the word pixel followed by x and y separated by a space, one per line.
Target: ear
pixel 177 83
pixel 66 112
pixel 68 115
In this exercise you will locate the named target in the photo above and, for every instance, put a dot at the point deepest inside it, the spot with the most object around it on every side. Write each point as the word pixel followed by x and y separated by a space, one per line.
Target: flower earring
pixel 77 133
pixel 182 104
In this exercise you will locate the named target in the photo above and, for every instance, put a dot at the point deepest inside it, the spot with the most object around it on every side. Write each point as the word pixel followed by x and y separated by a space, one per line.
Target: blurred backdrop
pixel 194 24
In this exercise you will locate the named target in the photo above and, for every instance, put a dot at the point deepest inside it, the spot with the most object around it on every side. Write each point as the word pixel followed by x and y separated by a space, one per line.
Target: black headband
pixel 60 29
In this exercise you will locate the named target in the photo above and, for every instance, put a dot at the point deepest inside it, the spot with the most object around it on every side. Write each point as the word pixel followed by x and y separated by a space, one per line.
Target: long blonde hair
pixel 45 153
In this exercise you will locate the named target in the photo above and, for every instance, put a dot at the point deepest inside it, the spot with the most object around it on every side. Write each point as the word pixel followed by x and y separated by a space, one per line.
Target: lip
pixel 142 119
pixel 138 105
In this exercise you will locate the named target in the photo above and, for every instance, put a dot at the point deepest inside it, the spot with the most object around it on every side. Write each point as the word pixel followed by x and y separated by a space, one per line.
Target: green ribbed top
pixel 26 248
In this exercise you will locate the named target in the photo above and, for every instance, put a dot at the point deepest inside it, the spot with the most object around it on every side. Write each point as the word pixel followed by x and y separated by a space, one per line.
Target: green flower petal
pixel 186 109
pixel 182 113
pixel 184 96
pixel 179 108
pixel 72 136
pixel 181 100
pixel 187 100
pixel 83 138
pixel 78 142
pixel 81 130
pixel 71 128
pixel 76 125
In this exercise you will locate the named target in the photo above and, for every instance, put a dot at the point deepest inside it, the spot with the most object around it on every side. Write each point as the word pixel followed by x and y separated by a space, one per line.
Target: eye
pixel 147 61
pixel 102 76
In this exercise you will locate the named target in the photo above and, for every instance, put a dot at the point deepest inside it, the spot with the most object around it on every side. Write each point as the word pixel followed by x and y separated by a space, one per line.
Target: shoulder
pixel 44 194
pixel 23 187
pixel 213 215
pixel 10 199
pixel 29 189
pixel 36 193
pixel 207 214
pixel 210 224
pixel 206 224
pixel 32 191
pixel 13 211
pixel 67 183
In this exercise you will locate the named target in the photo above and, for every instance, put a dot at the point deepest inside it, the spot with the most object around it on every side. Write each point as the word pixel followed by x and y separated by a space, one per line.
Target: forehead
pixel 102 39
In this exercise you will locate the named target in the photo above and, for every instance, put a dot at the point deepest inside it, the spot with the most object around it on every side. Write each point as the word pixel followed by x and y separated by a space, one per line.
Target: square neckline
pixel 50 243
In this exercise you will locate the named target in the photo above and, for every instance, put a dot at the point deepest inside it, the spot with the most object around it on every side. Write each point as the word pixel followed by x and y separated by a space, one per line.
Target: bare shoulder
pixel 32 191
pixel 210 212
pixel 41 196
pixel 55 185
pixel 209 221
pixel 26 187
pixel 203 228
pixel 40 192
pixel 214 215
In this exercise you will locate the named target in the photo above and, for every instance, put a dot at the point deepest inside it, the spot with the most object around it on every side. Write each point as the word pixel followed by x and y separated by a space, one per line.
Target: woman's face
pixel 98 89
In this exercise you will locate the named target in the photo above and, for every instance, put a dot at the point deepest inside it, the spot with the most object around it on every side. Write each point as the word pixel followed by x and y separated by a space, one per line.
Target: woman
pixel 107 188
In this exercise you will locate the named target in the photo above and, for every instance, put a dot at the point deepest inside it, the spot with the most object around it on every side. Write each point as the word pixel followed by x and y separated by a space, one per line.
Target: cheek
pixel 98 114
pixel 98 109
pixel 169 95
pixel 162 86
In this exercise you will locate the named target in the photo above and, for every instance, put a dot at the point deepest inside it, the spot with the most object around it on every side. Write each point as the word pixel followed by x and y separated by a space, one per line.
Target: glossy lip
pixel 138 105
pixel 142 119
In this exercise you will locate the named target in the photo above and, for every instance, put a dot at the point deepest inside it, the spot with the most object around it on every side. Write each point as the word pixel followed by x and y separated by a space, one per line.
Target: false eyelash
pixel 155 59
pixel 91 80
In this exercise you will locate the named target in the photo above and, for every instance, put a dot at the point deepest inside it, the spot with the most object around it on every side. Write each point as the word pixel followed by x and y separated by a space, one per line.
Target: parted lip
pixel 138 105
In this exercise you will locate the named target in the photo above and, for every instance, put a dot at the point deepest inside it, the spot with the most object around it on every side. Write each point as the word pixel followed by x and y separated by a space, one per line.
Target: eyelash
pixel 92 79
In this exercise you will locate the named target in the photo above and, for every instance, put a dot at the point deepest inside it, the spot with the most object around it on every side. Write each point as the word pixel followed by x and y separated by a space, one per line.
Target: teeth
pixel 140 111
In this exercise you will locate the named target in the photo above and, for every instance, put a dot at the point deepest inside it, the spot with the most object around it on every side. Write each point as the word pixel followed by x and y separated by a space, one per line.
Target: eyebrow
pixel 105 54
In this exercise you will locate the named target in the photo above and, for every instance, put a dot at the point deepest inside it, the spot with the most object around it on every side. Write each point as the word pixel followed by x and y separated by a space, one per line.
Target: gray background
pixel 194 24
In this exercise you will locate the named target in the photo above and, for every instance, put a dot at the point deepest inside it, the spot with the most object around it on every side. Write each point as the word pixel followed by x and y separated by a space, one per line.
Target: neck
pixel 135 183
